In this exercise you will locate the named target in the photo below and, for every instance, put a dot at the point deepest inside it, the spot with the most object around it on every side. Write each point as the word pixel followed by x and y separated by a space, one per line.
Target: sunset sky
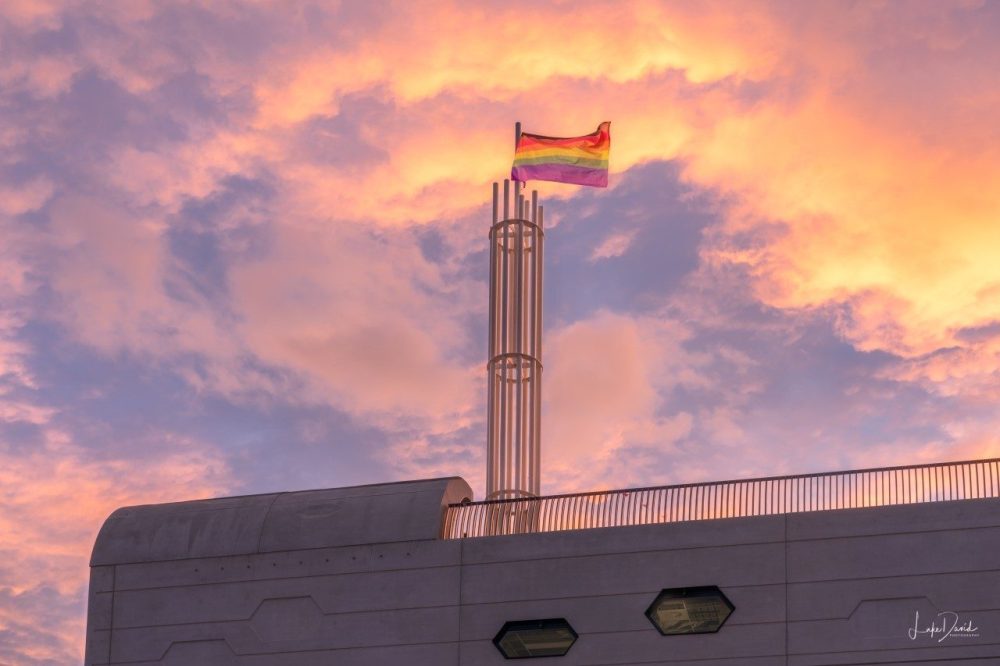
pixel 243 249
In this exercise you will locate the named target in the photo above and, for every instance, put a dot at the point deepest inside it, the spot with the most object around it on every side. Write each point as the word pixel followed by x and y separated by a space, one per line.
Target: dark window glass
pixel 689 610
pixel 535 638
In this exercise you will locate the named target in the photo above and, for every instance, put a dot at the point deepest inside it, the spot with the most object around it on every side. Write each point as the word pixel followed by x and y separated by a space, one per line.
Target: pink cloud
pixel 15 287
pixel 44 77
pixel 55 498
pixel 614 245
pixel 33 14
pixel 605 379
pixel 26 197
pixel 368 320
pixel 110 271
pixel 968 372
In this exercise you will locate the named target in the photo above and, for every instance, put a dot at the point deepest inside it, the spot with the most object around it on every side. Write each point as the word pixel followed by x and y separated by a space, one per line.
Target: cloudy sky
pixel 243 249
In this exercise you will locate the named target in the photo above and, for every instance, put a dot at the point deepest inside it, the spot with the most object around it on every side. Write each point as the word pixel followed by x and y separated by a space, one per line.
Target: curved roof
pixel 382 513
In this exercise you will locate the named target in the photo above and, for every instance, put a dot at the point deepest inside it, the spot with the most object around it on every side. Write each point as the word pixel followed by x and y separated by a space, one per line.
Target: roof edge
pixel 248 524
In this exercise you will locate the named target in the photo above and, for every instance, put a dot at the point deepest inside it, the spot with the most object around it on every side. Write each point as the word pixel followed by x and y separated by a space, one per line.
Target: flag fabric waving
pixel 581 160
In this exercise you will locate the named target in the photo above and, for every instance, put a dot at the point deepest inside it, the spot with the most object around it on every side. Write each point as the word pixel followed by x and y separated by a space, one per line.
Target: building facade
pixel 378 575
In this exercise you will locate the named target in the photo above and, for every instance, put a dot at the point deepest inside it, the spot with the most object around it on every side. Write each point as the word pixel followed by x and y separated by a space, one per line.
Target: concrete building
pixel 752 573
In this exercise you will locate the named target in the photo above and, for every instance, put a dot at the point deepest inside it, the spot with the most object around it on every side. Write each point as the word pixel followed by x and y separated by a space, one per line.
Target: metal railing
pixel 853 489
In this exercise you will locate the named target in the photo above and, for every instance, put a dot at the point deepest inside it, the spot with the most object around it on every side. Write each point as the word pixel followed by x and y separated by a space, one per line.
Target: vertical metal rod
pixel 491 469
pixel 534 328
pixel 539 321
pixel 516 315
pixel 502 443
pixel 514 426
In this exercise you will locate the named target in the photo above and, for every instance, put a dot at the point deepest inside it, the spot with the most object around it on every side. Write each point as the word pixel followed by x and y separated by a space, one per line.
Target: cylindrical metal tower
pixel 513 465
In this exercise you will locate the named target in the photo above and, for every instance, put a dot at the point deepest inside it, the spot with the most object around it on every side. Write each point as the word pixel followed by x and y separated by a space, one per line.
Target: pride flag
pixel 581 160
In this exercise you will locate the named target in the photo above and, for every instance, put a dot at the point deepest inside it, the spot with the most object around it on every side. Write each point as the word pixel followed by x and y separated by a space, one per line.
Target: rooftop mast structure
pixel 513 442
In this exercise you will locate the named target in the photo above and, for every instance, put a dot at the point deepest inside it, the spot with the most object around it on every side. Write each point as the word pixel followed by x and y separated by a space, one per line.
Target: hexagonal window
pixel 535 638
pixel 689 610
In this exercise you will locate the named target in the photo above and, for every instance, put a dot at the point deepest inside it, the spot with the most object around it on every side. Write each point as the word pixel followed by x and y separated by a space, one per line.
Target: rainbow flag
pixel 581 160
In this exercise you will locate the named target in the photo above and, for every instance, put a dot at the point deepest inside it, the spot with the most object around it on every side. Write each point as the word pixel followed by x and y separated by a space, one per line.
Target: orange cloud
pixel 885 204
pixel 885 190
pixel 888 202
pixel 421 51
pixel 900 231
pixel 445 144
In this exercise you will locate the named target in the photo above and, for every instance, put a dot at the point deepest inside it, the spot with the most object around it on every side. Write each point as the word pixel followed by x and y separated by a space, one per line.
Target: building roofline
pixel 248 524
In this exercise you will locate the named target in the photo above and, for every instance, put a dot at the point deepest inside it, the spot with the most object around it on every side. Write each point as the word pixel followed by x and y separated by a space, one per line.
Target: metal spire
pixel 513 466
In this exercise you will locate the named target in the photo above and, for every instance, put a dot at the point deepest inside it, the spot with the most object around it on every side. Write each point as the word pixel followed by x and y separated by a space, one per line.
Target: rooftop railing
pixel 887 486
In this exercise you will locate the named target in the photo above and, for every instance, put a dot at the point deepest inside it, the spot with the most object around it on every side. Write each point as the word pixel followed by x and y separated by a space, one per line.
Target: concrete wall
pixel 839 587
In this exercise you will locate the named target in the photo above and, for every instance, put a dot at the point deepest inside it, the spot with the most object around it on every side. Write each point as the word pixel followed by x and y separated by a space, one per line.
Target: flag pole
pixel 517 139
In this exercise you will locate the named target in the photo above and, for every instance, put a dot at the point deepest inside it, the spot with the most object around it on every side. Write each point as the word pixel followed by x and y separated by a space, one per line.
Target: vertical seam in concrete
pixel 111 623
pixel 263 523
pixel 786 589
pixel 461 569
